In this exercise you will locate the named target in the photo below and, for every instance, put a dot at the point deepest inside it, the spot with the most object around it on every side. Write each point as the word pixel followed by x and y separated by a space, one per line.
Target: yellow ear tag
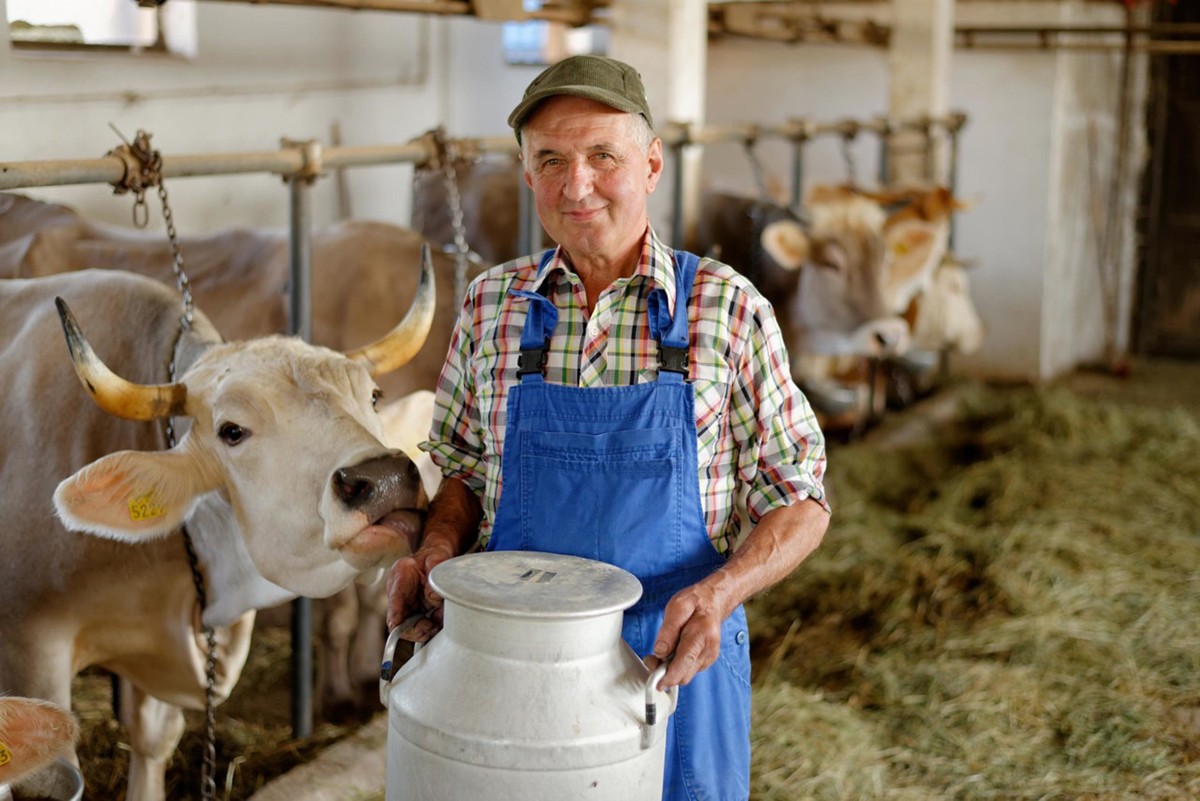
pixel 5 754
pixel 145 508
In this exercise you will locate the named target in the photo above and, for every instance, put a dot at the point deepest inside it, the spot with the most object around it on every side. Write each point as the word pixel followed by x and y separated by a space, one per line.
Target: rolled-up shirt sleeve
pixel 455 443
pixel 782 453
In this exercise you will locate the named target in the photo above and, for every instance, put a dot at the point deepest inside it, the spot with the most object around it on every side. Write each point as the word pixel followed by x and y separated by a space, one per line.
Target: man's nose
pixel 579 182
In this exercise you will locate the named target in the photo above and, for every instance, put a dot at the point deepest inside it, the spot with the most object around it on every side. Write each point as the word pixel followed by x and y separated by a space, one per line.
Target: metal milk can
pixel 528 693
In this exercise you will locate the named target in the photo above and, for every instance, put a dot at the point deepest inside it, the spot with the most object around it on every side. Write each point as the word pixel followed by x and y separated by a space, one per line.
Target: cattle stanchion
pixel 677 173
pixel 885 129
pixel 802 131
pixel 300 325
pixel 953 125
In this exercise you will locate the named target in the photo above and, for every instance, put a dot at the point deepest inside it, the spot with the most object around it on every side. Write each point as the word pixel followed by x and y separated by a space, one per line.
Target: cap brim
pixel 522 112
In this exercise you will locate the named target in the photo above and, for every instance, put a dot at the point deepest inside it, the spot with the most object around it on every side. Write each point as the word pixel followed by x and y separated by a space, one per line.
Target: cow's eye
pixel 375 396
pixel 232 433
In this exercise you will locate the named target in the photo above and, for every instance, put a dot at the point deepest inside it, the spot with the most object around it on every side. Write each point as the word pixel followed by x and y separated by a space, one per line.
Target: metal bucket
pixel 58 781
pixel 528 692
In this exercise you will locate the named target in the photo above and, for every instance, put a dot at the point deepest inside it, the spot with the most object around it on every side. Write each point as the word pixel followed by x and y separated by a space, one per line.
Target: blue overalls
pixel 610 473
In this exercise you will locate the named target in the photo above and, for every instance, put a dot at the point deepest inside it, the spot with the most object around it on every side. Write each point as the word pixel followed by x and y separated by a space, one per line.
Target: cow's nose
pixel 375 481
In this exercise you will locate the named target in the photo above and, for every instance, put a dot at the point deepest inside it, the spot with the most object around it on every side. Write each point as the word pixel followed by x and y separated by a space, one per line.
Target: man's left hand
pixel 690 634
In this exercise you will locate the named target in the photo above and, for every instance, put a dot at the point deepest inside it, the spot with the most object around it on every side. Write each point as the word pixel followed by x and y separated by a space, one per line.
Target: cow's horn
pixel 398 346
pixel 112 393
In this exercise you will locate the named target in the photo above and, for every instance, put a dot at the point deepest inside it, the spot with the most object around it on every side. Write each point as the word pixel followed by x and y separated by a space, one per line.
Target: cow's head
pixel 917 232
pixel 840 304
pixel 283 431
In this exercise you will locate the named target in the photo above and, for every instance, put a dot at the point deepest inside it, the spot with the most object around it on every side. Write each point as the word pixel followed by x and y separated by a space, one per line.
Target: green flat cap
pixel 605 80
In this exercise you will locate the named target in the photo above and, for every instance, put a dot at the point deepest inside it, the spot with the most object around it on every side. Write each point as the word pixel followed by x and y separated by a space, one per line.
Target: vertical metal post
pixel 930 155
pixel 952 179
pixel 885 153
pixel 300 324
pixel 677 195
pixel 529 235
pixel 798 143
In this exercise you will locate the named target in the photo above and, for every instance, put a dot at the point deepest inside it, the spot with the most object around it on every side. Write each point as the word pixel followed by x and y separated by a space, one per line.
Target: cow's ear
pixel 911 245
pixel 131 495
pixel 786 243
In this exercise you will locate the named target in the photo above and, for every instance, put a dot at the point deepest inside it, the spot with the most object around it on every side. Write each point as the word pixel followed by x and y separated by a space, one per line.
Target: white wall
pixel 481 88
pixel 261 73
pixel 1003 169
pixel 269 71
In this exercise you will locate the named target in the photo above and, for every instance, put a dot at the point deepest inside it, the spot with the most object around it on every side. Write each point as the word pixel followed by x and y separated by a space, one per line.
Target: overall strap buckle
pixel 533 360
pixel 672 360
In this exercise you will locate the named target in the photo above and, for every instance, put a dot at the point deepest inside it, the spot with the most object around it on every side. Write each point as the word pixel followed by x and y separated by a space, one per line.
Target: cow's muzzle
pixel 387 493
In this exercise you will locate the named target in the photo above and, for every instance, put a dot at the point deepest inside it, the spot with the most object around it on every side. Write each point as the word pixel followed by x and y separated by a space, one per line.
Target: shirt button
pixel 741 637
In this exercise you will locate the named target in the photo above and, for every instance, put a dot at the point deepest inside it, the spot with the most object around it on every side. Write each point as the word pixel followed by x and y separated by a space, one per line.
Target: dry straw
pixel 1006 612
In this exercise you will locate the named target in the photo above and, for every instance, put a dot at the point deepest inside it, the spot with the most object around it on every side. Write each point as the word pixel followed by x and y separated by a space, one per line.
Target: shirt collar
pixel 656 265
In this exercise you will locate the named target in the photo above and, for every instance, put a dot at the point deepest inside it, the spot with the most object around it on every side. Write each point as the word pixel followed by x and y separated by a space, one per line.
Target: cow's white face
pixel 281 430
pixel 842 301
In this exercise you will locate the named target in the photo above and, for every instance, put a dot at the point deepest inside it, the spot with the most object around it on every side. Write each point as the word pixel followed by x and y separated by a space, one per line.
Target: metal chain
pixel 181 278
pixel 849 133
pixel 756 166
pixel 144 169
pixel 208 759
pixel 462 250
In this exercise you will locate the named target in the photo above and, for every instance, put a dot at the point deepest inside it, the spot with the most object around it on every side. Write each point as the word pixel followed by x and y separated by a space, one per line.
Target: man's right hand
pixel 450 529
pixel 409 593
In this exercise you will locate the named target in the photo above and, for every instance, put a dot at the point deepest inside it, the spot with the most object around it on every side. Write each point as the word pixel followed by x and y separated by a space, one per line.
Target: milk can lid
pixel 535 584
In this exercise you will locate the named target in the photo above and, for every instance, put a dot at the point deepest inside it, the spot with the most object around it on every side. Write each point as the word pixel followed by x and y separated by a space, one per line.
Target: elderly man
pixel 613 399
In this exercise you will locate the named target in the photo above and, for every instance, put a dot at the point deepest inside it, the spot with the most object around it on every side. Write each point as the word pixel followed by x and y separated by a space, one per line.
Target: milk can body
pixel 528 692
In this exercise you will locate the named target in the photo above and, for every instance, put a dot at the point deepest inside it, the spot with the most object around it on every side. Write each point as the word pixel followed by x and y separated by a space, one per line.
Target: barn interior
pixel 1065 130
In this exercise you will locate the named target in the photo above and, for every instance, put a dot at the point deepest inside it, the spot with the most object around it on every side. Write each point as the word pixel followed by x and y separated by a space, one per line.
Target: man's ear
pixel 656 163
pixel 131 495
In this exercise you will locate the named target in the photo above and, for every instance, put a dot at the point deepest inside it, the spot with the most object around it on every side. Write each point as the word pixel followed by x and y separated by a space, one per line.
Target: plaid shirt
pixel 759 446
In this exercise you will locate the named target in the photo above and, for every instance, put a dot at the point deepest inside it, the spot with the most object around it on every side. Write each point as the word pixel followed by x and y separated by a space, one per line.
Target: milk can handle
pixel 387 670
pixel 651 684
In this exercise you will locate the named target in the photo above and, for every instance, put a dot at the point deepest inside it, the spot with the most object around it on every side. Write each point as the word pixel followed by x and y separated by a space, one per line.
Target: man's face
pixel 590 176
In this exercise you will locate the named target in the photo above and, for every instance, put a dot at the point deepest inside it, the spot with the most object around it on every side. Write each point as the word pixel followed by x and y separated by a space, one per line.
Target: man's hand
pixel 454 515
pixel 409 593
pixel 691 631
pixel 691 628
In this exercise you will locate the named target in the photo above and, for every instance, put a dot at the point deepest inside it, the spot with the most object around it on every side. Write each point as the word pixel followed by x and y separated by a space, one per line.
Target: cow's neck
pixel 232 583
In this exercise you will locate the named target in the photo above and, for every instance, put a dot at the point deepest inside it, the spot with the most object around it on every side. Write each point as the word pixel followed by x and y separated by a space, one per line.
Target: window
pixel 120 25
pixel 542 43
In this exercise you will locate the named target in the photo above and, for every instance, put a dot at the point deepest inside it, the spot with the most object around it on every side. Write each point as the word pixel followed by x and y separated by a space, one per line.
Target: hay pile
pixel 254 731
pixel 1010 612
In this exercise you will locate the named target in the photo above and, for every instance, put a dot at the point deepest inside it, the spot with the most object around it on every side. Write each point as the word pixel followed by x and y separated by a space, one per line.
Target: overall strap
pixel 672 333
pixel 540 320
